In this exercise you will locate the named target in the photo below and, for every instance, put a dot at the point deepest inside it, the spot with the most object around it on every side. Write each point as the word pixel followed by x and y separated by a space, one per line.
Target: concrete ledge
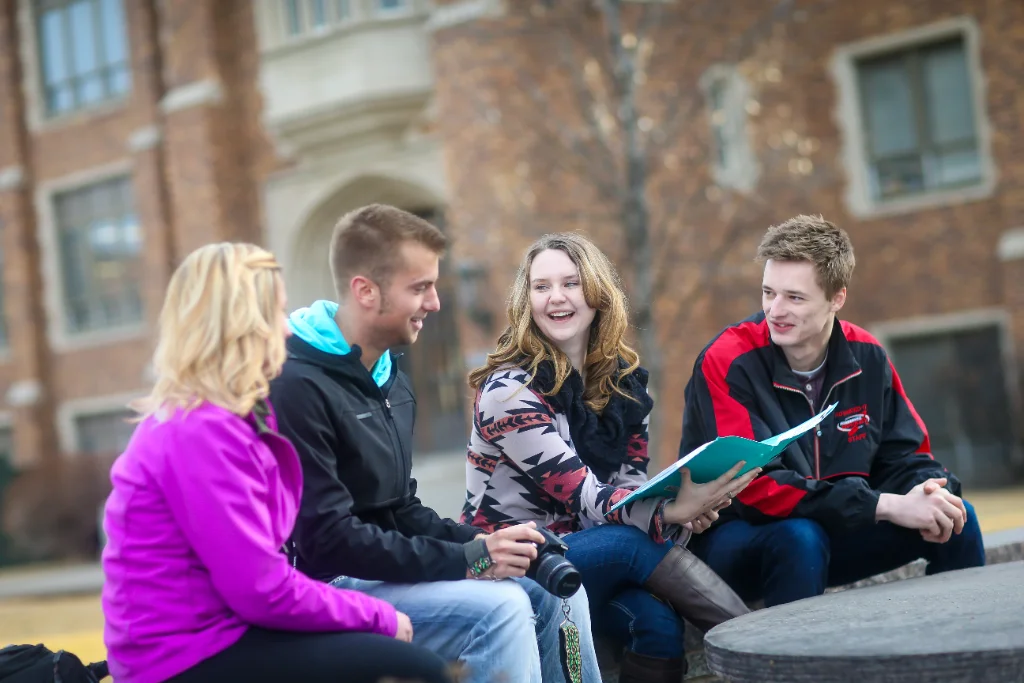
pixel 1000 547
pixel 35 583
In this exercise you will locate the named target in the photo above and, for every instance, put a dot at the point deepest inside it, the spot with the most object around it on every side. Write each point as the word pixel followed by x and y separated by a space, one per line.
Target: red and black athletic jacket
pixel 874 442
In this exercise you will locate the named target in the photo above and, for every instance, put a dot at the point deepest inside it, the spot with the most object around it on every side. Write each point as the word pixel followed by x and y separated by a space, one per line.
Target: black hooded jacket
pixel 360 516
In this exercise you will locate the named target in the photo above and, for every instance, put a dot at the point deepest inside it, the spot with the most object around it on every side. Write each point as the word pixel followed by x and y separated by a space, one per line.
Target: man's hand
pixel 935 487
pixel 512 550
pixel 927 507
pixel 404 631
pixel 694 500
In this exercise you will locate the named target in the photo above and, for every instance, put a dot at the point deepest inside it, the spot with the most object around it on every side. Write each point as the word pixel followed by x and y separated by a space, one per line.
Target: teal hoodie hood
pixel 315 325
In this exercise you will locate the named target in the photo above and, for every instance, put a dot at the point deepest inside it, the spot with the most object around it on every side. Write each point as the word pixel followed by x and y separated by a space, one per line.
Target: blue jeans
pixel 793 559
pixel 499 630
pixel 615 562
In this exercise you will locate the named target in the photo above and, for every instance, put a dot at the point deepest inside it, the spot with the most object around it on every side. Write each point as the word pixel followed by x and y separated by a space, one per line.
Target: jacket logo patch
pixel 851 421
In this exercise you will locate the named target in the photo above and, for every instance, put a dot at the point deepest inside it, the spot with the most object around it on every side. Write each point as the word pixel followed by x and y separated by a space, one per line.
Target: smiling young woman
pixel 560 436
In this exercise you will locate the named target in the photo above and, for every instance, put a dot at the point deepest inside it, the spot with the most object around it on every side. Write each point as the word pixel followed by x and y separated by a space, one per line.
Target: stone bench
pixel 1000 547
pixel 956 626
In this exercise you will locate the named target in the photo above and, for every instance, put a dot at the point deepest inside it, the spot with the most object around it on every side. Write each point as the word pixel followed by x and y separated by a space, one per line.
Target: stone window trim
pixel 1011 245
pixel 741 170
pixel 61 339
pixel 36 116
pixel 959 321
pixel 274 37
pixel 850 120
pixel 12 179
pixel 68 412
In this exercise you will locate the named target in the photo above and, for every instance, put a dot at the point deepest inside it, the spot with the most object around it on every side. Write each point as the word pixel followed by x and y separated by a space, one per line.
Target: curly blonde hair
pixel 219 333
pixel 609 358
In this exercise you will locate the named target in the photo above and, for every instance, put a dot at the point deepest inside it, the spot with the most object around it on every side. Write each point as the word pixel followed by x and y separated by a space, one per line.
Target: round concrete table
pixel 958 627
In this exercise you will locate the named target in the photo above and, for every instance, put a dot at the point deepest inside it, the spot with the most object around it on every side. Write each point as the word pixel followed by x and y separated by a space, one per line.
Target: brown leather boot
pixel 695 592
pixel 642 669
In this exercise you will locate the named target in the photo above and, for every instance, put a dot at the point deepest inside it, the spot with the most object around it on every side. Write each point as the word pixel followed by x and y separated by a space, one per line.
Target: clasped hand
pixel 935 512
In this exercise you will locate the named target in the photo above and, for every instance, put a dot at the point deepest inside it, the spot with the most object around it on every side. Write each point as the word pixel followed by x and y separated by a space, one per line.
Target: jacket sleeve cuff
pixel 466 533
pixel 868 511
pixel 455 568
pixel 389 621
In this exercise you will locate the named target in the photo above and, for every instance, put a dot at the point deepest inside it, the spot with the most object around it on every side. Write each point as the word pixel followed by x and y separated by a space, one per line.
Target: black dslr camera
pixel 551 570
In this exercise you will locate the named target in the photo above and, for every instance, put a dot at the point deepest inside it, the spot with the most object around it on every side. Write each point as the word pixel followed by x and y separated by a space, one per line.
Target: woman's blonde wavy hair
pixel 220 339
pixel 609 358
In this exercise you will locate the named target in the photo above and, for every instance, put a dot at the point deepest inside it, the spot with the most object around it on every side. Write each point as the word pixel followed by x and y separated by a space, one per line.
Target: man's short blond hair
pixel 817 241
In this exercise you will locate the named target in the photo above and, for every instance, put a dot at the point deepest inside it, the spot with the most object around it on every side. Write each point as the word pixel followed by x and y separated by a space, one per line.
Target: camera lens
pixel 557 575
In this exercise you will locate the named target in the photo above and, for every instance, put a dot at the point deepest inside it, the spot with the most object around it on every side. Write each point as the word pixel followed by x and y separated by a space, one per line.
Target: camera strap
pixel 569 639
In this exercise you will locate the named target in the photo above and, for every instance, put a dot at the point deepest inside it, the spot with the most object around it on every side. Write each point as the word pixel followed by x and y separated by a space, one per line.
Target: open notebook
pixel 714 459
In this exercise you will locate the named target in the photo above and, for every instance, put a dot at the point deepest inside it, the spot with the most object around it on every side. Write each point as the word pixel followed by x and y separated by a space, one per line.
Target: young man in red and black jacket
pixel 859 495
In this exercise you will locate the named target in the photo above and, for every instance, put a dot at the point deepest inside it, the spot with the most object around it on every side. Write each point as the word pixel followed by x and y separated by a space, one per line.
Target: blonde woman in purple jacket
pixel 204 497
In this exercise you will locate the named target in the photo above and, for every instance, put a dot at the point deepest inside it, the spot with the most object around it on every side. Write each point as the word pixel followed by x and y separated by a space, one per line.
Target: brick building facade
pixel 127 138
pixel 900 122
pixel 266 119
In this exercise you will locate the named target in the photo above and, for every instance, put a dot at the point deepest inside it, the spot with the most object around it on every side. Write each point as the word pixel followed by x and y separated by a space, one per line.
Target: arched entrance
pixel 434 363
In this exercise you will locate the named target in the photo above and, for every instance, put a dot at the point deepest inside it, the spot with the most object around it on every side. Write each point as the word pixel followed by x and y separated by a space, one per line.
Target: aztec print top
pixel 522 467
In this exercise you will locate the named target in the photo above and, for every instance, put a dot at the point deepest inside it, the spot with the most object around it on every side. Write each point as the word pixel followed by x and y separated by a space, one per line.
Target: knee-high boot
pixel 694 590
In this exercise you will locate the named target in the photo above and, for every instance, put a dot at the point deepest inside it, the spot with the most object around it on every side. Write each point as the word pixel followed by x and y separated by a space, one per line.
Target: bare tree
pixel 641 143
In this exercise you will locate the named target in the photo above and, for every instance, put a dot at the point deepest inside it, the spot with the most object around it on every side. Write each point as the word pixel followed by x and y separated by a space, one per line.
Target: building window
pixel 307 16
pixel 727 94
pixel 920 129
pixel 100 256
pixel 957 381
pixel 391 6
pixel 83 53
pixel 104 433
pixel 911 106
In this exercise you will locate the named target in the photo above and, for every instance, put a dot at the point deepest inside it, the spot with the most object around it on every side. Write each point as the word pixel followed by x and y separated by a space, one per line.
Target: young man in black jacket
pixel 859 495
pixel 349 410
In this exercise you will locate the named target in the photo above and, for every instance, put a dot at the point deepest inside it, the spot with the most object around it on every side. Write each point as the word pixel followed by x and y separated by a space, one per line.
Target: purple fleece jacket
pixel 201 506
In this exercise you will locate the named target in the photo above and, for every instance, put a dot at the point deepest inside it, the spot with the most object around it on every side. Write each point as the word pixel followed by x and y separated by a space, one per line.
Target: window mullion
pixel 70 73
pixel 925 139
pixel 98 46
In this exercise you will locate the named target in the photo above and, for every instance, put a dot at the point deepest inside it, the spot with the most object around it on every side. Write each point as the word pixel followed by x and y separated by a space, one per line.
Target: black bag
pixel 39 664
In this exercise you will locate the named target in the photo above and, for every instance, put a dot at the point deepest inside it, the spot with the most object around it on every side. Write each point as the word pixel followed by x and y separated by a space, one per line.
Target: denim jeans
pixel 793 559
pixel 615 561
pixel 499 630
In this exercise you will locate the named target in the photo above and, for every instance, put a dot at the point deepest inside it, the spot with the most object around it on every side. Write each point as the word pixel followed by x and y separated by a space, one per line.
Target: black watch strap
pixel 478 558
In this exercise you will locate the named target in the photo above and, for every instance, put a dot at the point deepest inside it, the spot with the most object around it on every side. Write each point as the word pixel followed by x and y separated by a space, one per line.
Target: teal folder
pixel 714 459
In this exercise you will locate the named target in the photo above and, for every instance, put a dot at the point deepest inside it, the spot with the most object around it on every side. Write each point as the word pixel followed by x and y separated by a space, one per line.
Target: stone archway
pixel 308 275
pixel 435 363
